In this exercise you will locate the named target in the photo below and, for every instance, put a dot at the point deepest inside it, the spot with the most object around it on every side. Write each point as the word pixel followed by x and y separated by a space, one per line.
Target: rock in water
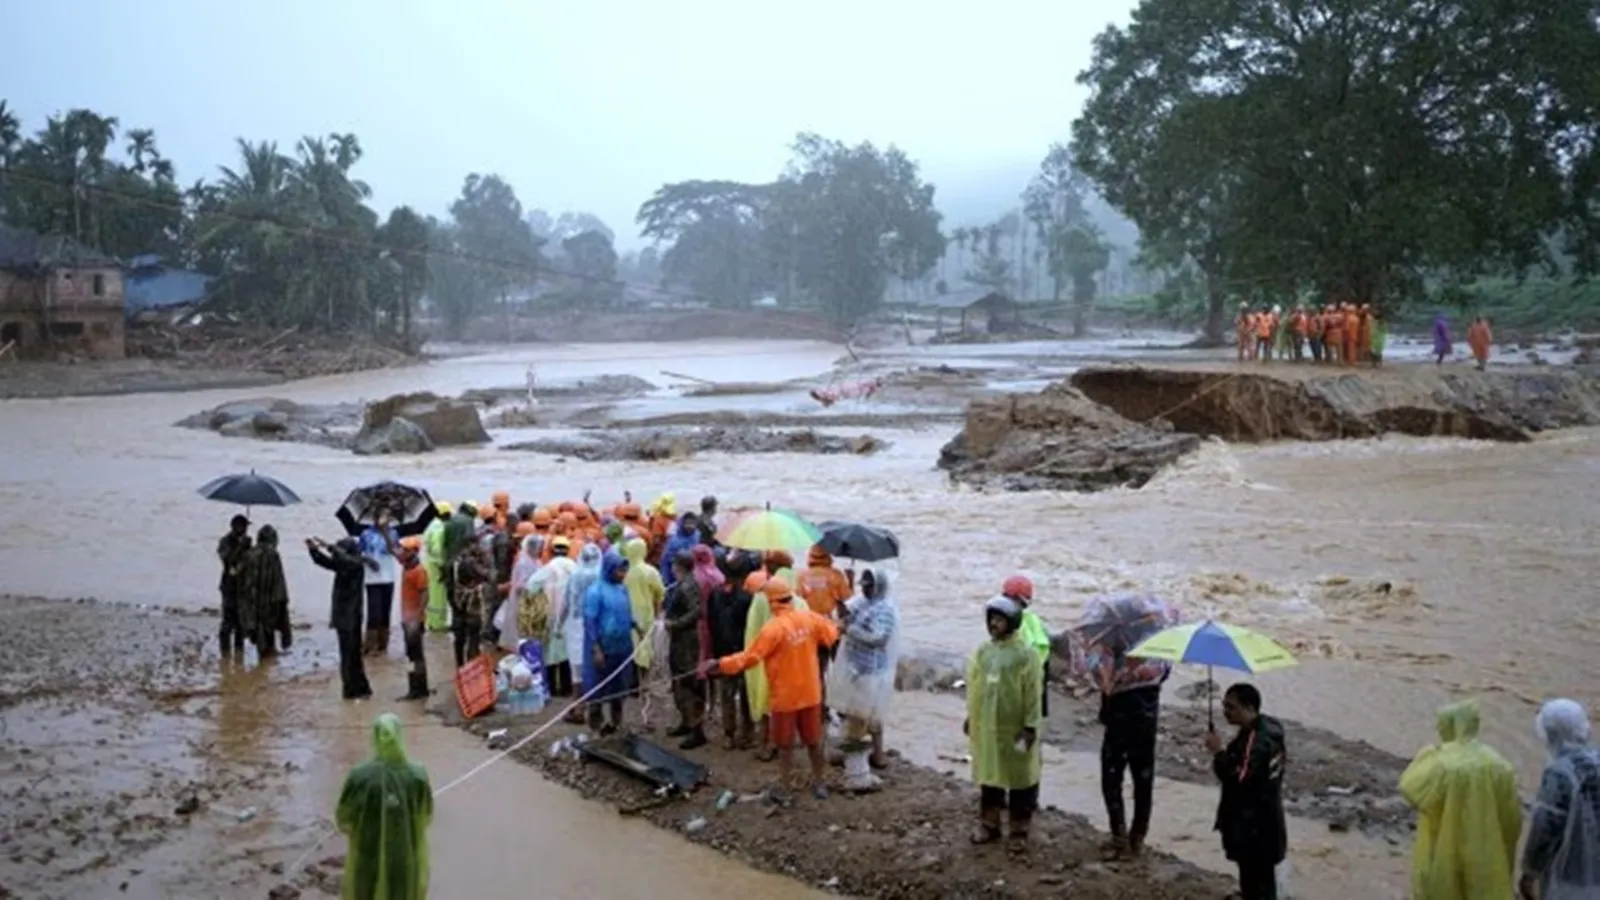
pixel 1058 439
pixel 400 435
pixel 446 423
pixel 1300 405
pixel 271 419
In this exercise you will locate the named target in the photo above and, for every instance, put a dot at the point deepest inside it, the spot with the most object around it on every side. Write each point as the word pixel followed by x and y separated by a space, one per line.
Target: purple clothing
pixel 1441 337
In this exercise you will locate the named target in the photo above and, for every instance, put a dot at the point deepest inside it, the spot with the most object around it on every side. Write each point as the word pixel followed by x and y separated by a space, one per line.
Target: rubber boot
pixel 417 686
pixel 858 776
pixel 695 740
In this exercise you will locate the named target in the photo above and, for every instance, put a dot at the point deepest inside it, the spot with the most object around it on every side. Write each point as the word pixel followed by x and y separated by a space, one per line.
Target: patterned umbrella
pixel 409 509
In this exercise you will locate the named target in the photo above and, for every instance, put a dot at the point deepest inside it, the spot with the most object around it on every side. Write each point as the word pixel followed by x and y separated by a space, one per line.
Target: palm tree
pixel 141 145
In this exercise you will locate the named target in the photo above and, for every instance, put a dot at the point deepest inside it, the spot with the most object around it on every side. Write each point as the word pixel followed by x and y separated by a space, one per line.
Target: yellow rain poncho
pixel 438 608
pixel 1004 693
pixel 755 680
pixel 384 810
pixel 1468 814
pixel 645 596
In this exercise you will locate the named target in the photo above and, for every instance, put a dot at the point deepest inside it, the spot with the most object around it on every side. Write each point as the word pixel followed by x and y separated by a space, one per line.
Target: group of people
pixel 1470 817
pixel 747 639
pixel 1480 340
pixel 1337 334
pixel 779 650
pixel 1006 708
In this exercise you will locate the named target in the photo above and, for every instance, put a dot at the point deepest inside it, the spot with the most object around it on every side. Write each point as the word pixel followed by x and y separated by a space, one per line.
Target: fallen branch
pixel 686 377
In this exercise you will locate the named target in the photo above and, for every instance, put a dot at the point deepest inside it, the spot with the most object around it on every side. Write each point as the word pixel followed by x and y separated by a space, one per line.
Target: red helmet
pixel 1018 586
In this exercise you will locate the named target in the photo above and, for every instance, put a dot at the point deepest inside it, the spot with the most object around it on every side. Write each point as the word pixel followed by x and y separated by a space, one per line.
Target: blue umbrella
pixel 249 490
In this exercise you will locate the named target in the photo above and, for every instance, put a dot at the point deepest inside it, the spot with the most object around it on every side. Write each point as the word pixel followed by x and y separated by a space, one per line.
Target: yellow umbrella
pixel 1211 643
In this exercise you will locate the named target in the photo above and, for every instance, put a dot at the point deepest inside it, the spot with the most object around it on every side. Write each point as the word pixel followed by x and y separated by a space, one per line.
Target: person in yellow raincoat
pixel 384 811
pixel 755 679
pixel 646 594
pixel 1004 689
pixel 438 609
pixel 1468 813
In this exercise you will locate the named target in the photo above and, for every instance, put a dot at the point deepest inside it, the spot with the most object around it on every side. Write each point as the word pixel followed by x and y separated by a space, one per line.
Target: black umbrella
pixel 249 490
pixel 409 509
pixel 852 540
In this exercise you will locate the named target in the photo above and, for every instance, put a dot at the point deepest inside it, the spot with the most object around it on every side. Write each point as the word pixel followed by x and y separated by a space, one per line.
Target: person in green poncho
pixel 1004 693
pixel 438 608
pixel 384 810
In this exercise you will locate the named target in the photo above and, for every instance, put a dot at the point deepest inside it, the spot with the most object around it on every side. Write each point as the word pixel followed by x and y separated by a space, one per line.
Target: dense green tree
pixel 591 267
pixel 1353 147
pixel 495 238
pixel 717 251
pixel 405 238
pixel 857 216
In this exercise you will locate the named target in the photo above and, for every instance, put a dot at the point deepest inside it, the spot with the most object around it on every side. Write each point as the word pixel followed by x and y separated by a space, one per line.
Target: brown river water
pixel 1489 549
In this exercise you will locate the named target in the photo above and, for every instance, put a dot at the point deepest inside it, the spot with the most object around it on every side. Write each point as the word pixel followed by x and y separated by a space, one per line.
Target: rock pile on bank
pixel 1058 439
pixel 417 423
pixel 273 419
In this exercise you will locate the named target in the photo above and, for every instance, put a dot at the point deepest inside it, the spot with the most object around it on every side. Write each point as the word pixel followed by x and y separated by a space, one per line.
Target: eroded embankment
pixel 1320 405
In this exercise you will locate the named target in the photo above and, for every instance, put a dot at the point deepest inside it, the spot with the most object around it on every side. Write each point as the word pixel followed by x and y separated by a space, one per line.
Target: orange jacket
pixel 413 593
pixel 1333 324
pixel 1266 324
pixel 788 645
pixel 824 588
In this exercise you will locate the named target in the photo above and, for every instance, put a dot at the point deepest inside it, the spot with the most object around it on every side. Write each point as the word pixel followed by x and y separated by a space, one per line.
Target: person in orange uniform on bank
pixel 1332 334
pixel 788 645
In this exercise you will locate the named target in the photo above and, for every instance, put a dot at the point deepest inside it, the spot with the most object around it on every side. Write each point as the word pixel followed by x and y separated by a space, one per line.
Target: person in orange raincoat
pixel 1332 334
pixel 1351 352
pixel 1314 333
pixel 1480 339
pixel 1266 327
pixel 788 646
pixel 1364 333
pixel 824 588
pixel 1244 330
pixel 1299 330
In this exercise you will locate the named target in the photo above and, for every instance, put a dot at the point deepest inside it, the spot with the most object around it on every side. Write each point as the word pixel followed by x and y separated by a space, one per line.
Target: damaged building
pixel 58 297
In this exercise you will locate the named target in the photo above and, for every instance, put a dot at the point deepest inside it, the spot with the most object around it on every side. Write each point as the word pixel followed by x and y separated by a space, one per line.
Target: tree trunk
pixel 1216 303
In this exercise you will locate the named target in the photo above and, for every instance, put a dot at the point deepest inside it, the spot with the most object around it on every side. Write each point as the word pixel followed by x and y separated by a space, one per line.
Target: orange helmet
pixel 1018 586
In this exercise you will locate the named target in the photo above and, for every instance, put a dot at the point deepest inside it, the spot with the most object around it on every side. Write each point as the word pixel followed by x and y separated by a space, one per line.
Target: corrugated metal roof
pixel 961 299
pixel 164 289
pixel 21 248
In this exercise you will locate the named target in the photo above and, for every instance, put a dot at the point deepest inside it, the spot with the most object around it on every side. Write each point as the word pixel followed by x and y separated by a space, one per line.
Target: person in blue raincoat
pixel 384 811
pixel 608 634
pixel 682 540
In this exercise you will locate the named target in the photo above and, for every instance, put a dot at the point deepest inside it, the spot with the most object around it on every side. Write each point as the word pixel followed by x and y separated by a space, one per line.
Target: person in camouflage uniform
pixel 471 575
pixel 264 595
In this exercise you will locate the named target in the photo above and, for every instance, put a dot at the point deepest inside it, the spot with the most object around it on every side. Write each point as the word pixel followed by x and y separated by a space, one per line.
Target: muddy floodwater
pixel 1486 551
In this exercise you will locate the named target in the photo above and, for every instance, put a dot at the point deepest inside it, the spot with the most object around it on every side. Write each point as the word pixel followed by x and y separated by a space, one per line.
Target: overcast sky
pixel 586 105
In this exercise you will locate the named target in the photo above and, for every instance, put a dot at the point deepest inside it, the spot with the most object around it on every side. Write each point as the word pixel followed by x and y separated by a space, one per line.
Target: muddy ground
pixel 910 841
pixel 163 359
pixel 108 751
pixel 681 443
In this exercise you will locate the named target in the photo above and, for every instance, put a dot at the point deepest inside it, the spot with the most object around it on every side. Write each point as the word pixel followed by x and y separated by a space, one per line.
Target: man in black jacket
pixel 1255 834
pixel 344 561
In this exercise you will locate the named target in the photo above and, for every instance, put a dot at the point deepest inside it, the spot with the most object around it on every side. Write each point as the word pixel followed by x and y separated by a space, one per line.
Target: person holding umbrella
pixel 232 549
pixel 1255 833
pixel 344 561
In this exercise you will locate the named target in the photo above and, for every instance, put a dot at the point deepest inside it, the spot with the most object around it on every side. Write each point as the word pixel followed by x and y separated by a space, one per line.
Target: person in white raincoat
pixel 509 618
pixel 1561 860
pixel 583 578
pixel 861 680
pixel 551 580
